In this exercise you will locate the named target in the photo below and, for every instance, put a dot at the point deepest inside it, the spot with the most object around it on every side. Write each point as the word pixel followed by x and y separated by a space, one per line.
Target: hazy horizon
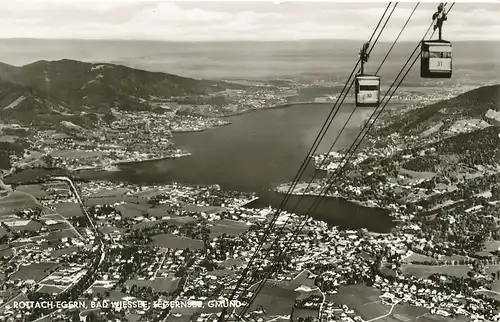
pixel 231 21
pixel 358 41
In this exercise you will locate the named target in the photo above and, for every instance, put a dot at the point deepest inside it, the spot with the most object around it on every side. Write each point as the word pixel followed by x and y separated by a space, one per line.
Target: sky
pixel 229 21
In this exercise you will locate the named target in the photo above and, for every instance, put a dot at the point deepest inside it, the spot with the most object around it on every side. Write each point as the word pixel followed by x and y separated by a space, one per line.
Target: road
pixel 84 210
pixel 486 290
pixel 385 315
pixel 78 198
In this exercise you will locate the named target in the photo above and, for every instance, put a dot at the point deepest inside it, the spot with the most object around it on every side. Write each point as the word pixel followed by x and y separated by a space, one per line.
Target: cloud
pixel 204 21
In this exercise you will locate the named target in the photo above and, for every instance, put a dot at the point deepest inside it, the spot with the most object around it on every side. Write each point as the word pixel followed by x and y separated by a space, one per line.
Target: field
pixel 304 313
pixel 76 154
pixel 174 220
pixel 5 252
pixel 365 302
pixel 233 262
pixel 69 209
pixel 492 245
pixel 50 289
pixel 3 232
pixel 56 235
pixel 176 242
pixel 112 200
pixel 30 225
pixel 15 201
pixel 63 251
pixel 35 272
pixel 221 272
pixel 415 257
pixel 205 209
pixel 423 271
pixel 229 227
pixel 356 295
pixel 133 317
pixel 35 190
pixel 59 185
pixel 187 313
pixel 275 299
pixel 130 210
pixel 159 284
pixel 148 193
pixel 109 193
pixel 417 175
pixel 160 211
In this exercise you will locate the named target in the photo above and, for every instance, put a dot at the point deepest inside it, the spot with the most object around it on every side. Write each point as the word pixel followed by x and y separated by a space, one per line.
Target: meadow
pixel 36 271
pixel 69 209
pixel 17 200
pixel 159 284
pixel 176 242
pixel 77 154
pixel 423 271
pixel 229 227
pixel 275 298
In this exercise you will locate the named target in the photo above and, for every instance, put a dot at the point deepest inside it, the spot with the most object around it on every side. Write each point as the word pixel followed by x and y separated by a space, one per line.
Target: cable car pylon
pixel 367 87
pixel 440 17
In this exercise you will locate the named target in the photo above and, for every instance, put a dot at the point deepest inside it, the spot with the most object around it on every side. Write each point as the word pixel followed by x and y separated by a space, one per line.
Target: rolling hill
pixel 77 86
pixel 73 96
pixel 475 104
pixel 461 131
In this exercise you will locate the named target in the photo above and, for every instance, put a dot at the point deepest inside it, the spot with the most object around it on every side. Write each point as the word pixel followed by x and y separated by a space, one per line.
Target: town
pixel 65 239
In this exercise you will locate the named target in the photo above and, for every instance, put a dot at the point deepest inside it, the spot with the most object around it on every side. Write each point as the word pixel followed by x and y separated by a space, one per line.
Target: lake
pixel 255 153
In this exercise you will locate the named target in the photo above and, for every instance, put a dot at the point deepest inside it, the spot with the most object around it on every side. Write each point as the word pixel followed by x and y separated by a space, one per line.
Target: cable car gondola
pixel 435 57
pixel 367 90
pixel 367 87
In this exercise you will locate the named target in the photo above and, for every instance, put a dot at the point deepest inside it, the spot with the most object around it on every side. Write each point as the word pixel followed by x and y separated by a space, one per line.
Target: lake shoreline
pixel 274 107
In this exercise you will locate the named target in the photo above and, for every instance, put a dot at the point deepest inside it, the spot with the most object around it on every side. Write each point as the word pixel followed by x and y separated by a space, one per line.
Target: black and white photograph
pixel 249 161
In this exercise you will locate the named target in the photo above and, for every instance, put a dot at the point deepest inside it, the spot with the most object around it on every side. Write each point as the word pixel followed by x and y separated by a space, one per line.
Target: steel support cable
pixel 338 136
pixel 302 224
pixel 304 165
pixel 369 124
pixel 341 102
pixel 397 38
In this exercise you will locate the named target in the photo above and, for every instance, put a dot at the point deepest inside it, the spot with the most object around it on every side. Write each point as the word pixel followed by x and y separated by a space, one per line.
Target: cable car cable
pixel 397 38
pixel 341 102
pixel 345 96
pixel 369 124
pixel 296 178
pixel 338 136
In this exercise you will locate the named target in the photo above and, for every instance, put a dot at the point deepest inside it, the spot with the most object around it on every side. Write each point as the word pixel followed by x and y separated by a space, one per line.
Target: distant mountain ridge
pixel 74 87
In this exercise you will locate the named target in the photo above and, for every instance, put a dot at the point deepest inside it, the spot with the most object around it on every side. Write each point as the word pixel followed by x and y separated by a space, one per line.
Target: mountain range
pixel 69 94
pixel 45 92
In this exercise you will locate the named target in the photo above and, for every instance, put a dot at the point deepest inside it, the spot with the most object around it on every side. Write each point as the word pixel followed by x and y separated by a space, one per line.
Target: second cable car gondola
pixel 367 87
pixel 435 56
pixel 367 90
